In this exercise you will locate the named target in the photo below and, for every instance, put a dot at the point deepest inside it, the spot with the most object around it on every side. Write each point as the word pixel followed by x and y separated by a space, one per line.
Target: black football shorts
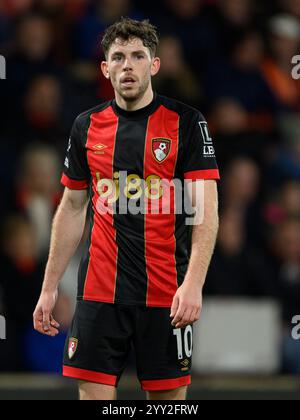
pixel 100 340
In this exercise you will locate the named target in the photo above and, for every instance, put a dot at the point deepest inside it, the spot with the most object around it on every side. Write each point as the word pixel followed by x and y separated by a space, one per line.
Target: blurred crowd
pixel 232 59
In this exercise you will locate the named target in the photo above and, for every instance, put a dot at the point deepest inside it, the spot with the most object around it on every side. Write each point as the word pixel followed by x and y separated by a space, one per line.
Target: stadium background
pixel 232 60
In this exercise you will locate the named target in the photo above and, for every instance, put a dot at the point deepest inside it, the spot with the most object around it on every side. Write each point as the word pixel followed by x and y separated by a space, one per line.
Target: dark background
pixel 231 59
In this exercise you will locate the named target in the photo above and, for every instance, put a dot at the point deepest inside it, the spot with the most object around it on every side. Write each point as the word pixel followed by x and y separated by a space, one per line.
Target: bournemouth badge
pixel 161 148
pixel 73 343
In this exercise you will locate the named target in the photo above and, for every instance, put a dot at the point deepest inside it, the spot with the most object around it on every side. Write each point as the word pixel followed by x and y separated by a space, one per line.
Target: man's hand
pixel 42 318
pixel 187 304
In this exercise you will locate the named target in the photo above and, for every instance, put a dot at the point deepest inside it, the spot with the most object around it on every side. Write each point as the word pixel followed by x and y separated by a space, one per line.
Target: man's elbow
pixel 74 202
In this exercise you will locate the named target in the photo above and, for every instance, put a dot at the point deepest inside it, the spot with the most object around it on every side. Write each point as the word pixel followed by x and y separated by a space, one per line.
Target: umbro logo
pixel 99 149
pixel 185 365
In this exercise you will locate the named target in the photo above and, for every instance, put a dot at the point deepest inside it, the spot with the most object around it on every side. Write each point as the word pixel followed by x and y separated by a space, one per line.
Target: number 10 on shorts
pixel 184 341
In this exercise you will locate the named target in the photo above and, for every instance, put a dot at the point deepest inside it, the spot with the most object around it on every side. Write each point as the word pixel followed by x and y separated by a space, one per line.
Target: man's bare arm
pixel 204 235
pixel 187 302
pixel 67 231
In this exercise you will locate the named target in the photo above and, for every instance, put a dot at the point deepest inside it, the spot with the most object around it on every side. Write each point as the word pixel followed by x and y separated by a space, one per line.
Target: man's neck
pixel 135 105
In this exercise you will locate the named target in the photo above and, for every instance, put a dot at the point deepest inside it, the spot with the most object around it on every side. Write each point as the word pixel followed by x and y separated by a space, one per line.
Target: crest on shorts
pixel 73 343
pixel 161 148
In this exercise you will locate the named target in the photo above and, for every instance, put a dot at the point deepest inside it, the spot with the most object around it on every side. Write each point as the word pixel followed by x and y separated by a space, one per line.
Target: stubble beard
pixel 133 95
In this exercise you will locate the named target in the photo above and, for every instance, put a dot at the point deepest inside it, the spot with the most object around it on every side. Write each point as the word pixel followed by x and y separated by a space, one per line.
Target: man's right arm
pixel 67 231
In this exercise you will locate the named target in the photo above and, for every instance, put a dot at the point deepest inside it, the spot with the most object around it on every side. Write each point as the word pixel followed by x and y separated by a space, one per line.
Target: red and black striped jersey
pixel 137 258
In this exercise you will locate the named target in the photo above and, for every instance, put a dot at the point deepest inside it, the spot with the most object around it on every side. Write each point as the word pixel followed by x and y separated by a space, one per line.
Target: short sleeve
pixel 76 174
pixel 199 160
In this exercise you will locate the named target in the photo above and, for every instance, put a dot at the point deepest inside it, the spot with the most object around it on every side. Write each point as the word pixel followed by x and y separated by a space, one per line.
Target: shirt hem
pixel 119 302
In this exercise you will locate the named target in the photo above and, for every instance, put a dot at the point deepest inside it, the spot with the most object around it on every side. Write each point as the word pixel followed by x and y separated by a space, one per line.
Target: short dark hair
pixel 127 28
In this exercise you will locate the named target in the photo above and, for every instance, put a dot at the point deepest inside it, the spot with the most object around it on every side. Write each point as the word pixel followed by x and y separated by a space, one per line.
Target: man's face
pixel 130 66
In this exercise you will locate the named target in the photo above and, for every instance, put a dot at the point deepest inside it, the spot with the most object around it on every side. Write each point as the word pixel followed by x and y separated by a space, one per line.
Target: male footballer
pixel 139 282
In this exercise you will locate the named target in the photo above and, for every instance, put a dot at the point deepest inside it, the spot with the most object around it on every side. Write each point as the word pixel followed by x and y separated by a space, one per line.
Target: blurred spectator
pixel 241 183
pixel 229 117
pixel 17 7
pixel 285 206
pixel 236 268
pixel 234 17
pixel 211 34
pixel 290 199
pixel 63 14
pixel 10 11
pixel 235 134
pixel 291 6
pixel 284 44
pixel 87 35
pixel 34 37
pixel 102 13
pixel 53 6
pixel 5 27
pixel 55 12
pixel 285 247
pixel 20 284
pixel 43 353
pixel 38 192
pixel 240 78
pixel 43 102
pixel 33 46
pixel 29 57
pixel 237 13
pixel 21 273
pixel 175 74
pixel 241 194
pixel 284 161
pixel 185 10
pixel 185 22
pixel 75 8
pixel 40 119
pixel 42 115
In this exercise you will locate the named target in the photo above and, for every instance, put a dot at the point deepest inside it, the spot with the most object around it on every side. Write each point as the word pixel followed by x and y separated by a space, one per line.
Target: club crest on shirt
pixel 161 148
pixel 73 343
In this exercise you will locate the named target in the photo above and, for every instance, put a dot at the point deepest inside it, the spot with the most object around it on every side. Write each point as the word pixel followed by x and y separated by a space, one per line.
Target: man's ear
pixel 155 66
pixel 104 68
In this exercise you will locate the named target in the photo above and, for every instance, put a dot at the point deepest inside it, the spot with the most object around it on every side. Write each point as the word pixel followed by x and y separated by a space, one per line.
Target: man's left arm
pixel 187 302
